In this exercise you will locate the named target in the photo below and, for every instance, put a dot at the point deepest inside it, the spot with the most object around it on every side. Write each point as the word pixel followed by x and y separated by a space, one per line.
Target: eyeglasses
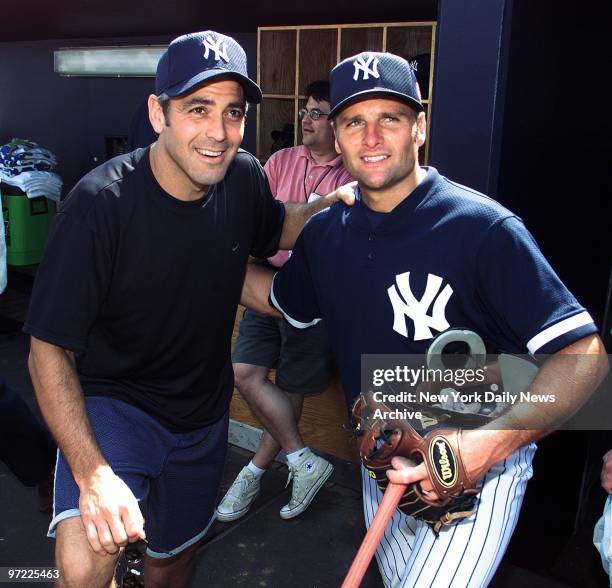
pixel 314 113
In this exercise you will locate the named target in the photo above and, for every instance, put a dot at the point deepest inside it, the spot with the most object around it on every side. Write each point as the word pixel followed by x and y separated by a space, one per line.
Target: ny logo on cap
pixel 219 47
pixel 363 66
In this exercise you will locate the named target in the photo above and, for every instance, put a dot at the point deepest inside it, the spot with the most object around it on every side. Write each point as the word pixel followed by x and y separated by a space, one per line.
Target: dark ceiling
pixel 73 19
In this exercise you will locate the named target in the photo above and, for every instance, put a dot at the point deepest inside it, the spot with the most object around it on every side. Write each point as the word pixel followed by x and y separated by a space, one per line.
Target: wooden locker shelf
pixel 291 57
pixel 356 40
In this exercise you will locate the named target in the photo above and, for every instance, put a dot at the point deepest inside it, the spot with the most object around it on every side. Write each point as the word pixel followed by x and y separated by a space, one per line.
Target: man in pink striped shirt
pixel 302 358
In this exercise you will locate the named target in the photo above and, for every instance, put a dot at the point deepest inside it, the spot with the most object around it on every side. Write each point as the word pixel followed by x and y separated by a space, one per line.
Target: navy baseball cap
pixel 373 73
pixel 193 59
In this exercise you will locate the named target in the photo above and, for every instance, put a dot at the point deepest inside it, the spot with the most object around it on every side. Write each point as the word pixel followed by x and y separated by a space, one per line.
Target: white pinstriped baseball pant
pixel 464 555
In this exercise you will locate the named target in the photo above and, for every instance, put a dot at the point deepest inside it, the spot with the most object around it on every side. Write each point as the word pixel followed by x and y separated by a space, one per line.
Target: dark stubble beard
pixel 410 169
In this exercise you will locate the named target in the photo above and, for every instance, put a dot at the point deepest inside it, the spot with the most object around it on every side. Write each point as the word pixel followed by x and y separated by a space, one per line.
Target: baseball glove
pixel 438 447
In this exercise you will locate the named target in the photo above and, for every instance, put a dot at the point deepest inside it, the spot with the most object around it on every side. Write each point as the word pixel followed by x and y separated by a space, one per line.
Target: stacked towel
pixel 36 183
pixel 27 165
pixel 20 155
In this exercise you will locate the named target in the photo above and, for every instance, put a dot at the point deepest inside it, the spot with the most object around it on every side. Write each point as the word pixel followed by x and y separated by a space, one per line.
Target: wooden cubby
pixel 288 58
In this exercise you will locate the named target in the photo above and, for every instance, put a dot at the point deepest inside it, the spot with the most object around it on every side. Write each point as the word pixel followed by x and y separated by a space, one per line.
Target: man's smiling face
pixel 379 139
pixel 199 136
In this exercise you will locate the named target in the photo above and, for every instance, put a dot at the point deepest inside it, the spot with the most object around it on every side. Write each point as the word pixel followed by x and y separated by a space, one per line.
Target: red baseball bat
pixel 370 542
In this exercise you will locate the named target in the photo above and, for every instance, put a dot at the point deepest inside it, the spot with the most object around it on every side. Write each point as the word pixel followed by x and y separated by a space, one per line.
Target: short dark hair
pixel 164 102
pixel 319 90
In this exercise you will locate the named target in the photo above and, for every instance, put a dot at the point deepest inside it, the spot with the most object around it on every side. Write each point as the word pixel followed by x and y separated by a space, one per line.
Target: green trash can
pixel 26 224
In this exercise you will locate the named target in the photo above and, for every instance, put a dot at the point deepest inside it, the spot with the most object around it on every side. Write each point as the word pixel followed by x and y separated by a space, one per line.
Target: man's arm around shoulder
pixel 296 215
pixel 109 511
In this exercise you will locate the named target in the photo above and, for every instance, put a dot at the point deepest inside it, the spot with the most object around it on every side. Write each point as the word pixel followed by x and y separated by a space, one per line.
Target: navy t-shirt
pixel 445 257
pixel 144 287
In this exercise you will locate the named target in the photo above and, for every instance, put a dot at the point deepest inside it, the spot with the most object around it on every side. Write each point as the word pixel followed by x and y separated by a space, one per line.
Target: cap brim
pixel 380 91
pixel 252 92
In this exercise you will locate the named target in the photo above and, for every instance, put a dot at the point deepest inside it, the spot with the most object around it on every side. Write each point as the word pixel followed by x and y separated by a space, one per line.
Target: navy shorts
pixel 302 357
pixel 177 473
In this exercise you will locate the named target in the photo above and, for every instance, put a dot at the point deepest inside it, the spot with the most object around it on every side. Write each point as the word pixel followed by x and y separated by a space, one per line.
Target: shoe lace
pixel 239 486
pixel 291 476
pixel 298 480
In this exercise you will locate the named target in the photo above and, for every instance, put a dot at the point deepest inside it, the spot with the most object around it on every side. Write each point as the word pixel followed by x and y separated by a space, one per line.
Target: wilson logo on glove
pixel 439 450
pixel 443 459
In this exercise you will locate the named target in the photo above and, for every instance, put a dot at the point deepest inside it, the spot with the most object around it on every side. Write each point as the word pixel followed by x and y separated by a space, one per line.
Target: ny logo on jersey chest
pixel 407 306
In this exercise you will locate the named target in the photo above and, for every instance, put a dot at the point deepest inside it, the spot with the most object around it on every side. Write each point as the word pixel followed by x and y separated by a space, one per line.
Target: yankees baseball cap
pixel 373 73
pixel 193 59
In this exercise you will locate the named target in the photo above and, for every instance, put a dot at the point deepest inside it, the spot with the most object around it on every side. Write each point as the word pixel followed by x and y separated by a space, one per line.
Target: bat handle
pixel 370 542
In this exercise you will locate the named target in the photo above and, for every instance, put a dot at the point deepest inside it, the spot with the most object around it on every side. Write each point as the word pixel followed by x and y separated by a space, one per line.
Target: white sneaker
pixel 309 474
pixel 239 497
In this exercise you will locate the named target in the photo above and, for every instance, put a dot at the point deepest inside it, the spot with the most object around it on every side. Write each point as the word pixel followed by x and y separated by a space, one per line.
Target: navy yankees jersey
pixel 445 257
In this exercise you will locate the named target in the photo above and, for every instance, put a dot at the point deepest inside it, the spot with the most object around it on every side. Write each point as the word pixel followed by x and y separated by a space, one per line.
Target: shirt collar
pixel 303 151
pixel 402 212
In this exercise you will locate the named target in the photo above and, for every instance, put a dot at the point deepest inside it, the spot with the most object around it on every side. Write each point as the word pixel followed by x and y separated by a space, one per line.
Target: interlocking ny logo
pixel 219 47
pixel 363 66
pixel 406 305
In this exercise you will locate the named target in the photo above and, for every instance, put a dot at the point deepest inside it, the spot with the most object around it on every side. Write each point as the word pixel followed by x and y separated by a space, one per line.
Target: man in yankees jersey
pixel 418 254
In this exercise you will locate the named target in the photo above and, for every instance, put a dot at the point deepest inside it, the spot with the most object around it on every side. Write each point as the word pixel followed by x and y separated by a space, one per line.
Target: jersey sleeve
pixel 71 281
pixel 524 294
pixel 269 215
pixel 293 291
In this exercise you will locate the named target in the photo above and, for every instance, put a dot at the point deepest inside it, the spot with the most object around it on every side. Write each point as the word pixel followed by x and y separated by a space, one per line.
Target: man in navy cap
pixel 132 314
pixel 415 256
